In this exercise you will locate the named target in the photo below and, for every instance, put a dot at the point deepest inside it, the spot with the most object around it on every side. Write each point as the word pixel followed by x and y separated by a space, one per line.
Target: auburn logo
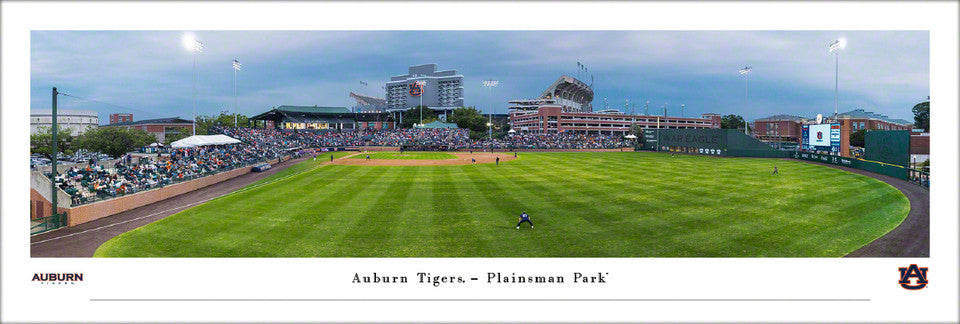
pixel 416 89
pixel 819 135
pixel 913 271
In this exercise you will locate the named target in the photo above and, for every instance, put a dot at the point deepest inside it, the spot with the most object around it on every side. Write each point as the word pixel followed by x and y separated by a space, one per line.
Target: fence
pixel 48 223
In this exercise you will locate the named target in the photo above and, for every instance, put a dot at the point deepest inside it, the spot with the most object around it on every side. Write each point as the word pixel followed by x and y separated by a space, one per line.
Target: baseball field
pixel 610 204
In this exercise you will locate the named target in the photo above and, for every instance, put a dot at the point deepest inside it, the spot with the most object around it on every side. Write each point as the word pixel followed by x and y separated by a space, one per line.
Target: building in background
pixel 441 89
pixel 368 104
pixel 76 120
pixel 120 118
pixel 552 118
pixel 861 119
pixel 779 128
pixel 919 147
pixel 571 94
pixel 160 127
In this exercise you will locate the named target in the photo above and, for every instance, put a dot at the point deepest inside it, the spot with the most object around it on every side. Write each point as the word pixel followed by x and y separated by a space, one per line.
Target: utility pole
pixel 53 161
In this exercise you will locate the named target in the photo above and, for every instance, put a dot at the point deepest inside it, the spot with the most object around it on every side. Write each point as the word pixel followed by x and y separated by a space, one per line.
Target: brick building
pixel 779 128
pixel 160 127
pixel 551 118
pixel 120 118
pixel 861 119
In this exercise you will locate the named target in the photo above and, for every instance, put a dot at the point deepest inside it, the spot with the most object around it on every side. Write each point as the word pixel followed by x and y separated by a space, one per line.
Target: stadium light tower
pixel 745 71
pixel 191 43
pixel 835 48
pixel 490 84
pixel 236 108
pixel 422 85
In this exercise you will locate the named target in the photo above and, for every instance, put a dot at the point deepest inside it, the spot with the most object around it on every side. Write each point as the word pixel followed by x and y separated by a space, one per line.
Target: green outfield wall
pixel 892 147
pixel 733 143
pixel 719 142
pixel 892 170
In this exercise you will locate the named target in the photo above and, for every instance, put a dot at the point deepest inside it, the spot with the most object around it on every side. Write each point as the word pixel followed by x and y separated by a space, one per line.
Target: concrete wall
pixel 40 197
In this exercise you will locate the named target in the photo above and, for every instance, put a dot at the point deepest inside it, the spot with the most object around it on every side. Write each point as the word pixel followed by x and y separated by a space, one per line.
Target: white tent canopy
pixel 204 140
pixel 631 136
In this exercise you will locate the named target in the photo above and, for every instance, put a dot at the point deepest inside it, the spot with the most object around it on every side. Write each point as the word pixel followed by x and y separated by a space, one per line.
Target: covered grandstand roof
pixel 783 117
pixel 301 111
pixel 572 93
pixel 368 100
pixel 860 113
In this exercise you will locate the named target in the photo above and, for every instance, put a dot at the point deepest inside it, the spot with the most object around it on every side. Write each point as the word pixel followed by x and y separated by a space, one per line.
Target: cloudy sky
pixel 150 74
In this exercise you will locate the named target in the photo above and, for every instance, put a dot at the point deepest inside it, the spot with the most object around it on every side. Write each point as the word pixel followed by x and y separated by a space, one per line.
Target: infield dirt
pixel 462 159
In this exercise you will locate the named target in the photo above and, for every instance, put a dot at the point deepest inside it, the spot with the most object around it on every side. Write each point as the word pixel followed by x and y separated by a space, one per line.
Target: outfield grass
pixel 583 205
pixel 406 156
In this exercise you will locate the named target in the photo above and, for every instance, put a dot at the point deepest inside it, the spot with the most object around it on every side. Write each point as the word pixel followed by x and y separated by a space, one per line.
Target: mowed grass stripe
pixel 405 156
pixel 557 234
pixel 634 204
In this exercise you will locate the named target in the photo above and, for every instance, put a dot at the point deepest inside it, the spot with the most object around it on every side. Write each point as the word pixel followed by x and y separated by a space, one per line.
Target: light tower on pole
pixel 236 108
pixel 195 46
pixel 490 84
pixel 745 71
pixel 835 48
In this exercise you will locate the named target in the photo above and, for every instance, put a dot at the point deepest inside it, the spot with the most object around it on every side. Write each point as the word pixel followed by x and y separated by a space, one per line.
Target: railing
pixel 49 223
pixel 919 177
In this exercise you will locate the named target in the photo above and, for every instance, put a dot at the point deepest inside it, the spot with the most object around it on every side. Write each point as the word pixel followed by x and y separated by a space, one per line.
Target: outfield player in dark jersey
pixel 524 218
pixel 775 171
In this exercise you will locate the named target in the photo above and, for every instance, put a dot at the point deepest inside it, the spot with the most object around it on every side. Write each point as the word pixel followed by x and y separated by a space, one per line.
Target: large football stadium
pixel 585 204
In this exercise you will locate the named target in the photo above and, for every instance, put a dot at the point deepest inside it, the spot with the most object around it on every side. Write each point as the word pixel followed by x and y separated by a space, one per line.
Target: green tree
pixel 182 132
pixel 921 116
pixel 206 123
pixel 40 142
pixel 412 116
pixel 857 138
pixel 469 118
pixel 114 141
pixel 732 122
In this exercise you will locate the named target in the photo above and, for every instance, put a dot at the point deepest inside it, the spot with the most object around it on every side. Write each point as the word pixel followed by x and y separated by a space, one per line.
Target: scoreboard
pixel 821 137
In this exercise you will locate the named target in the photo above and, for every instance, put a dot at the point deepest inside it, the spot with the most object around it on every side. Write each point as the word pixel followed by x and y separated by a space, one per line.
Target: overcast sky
pixel 150 74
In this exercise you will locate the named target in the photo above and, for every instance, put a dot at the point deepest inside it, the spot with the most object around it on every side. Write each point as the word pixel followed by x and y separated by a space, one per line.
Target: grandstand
pixel 368 104
pixel 568 92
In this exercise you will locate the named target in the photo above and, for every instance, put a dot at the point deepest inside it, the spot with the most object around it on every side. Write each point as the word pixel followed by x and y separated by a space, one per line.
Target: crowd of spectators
pixel 434 137
pixel 129 175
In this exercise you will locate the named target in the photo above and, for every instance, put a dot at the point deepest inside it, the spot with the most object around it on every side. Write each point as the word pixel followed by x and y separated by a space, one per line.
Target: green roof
pixel 315 109
pixel 438 124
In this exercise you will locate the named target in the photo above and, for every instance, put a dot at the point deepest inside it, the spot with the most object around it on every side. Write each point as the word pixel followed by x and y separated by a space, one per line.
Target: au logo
pixel 913 271
pixel 416 89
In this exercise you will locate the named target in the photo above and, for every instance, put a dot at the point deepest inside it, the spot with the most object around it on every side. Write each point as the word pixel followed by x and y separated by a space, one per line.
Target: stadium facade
pixel 441 89
pixel 567 106
pixel 551 118
pixel 368 104
pixel 570 93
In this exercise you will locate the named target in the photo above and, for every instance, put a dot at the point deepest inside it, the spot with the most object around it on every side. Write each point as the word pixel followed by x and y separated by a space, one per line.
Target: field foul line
pixel 172 209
